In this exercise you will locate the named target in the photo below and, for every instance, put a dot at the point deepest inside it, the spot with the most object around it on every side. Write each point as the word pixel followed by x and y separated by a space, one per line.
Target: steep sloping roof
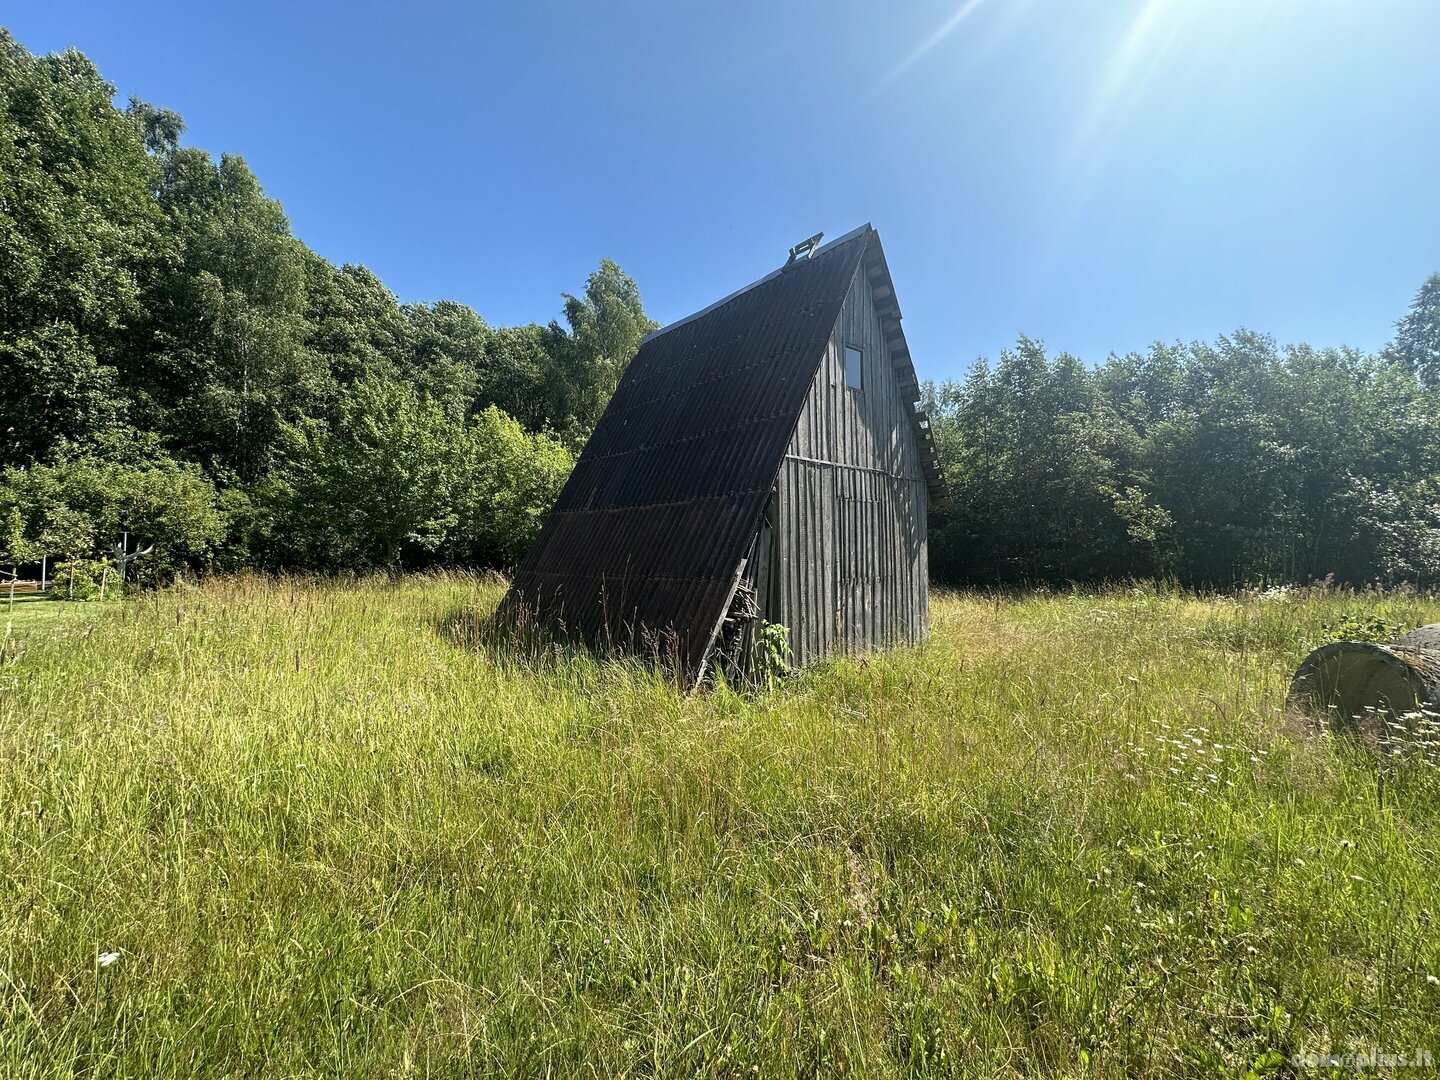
pixel 648 535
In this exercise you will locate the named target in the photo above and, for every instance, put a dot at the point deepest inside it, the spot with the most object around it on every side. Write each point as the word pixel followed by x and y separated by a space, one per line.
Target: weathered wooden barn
pixel 762 460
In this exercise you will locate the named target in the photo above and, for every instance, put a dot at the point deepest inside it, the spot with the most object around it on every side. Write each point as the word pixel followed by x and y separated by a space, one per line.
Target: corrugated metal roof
pixel 644 545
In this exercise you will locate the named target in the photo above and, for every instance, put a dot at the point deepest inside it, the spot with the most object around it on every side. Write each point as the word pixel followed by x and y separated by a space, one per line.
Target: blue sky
pixel 1095 173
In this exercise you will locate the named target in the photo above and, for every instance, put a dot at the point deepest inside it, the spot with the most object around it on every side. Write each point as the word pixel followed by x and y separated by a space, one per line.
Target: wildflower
pixel 105 959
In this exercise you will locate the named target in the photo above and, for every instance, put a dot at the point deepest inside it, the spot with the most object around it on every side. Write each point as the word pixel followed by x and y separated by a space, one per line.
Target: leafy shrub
pixel 78 510
pixel 394 478
pixel 1369 626
pixel 772 653
pixel 84 579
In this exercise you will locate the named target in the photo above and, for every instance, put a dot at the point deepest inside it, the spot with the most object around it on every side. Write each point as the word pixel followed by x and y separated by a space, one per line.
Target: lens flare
pixel 946 29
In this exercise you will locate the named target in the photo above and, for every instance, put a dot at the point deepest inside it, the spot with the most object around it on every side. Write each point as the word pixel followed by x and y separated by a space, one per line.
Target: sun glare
pixel 945 30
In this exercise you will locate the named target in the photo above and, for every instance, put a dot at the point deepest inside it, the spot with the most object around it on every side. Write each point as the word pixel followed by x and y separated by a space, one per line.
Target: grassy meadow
pixel 291 829
pixel 29 611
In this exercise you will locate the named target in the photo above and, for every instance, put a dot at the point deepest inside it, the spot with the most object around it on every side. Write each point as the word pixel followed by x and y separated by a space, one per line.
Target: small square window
pixel 854 363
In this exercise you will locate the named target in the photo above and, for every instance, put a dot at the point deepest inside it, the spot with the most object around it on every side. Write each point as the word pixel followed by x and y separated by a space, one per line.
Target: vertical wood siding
pixel 851 569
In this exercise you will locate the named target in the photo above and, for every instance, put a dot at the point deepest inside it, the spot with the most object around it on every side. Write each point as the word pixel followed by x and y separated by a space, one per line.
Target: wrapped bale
pixel 1379 692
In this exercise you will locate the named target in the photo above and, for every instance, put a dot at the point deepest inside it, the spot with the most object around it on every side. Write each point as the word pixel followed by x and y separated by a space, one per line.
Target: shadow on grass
pixel 515 640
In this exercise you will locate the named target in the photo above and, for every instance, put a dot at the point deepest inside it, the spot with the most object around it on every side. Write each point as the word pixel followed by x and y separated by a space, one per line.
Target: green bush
pixel 77 511
pixel 84 579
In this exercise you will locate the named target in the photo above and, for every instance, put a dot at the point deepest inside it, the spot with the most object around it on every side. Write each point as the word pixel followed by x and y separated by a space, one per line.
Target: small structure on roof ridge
pixel 761 461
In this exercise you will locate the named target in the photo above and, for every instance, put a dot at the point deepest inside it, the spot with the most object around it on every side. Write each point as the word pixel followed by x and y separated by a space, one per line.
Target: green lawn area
pixel 32 611
pixel 278 828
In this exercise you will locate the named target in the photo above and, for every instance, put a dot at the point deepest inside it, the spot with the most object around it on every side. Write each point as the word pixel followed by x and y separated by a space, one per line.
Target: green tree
pixel 79 236
pixel 1027 446
pixel 55 394
pixel 506 482
pixel 605 327
pixel 230 364
pixel 370 485
pixel 15 547
pixel 1417 335
pixel 355 323
pixel 77 219
pixel 519 363
pixel 80 508
pixel 450 358
pixel 160 129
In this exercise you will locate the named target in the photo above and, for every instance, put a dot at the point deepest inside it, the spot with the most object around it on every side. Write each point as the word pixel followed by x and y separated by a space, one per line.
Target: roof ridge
pixel 821 250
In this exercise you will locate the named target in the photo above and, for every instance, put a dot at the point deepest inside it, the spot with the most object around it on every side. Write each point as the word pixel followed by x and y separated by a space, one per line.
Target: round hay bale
pixel 1426 638
pixel 1367 689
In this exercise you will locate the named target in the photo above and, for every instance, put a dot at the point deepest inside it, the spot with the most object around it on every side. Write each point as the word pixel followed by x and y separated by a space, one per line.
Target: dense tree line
pixel 175 364
pixel 1212 464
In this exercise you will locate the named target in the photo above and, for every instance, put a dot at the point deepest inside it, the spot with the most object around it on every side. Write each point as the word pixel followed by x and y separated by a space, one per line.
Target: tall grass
pixel 326 835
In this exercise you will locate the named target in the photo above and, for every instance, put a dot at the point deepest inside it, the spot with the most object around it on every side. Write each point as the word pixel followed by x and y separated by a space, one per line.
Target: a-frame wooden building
pixel 761 460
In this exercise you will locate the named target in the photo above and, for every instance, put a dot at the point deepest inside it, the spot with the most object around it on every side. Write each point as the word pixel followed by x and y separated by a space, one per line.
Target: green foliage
pixel 1364 626
pixel 79 509
pixel 353 321
pixel 1222 464
pixel 83 580
pixel 507 482
pixel 520 361
pixel 155 307
pixel 78 230
pixel 773 657
pixel 376 479
pixel 15 546
pixel 1417 335
pixel 54 396
pixel 78 220
pixel 230 365
pixel 605 329
pixel 450 351
pixel 394 476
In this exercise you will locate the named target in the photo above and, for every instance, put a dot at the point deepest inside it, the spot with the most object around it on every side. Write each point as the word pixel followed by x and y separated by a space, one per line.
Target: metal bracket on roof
pixel 804 249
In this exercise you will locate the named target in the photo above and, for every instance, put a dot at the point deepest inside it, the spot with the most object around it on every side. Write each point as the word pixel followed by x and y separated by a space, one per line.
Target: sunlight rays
pixel 965 10
pixel 1124 84
pixel 1136 59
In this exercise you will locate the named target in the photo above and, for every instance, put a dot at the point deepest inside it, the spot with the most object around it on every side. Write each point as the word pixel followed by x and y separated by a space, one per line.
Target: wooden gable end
pixel 851 504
